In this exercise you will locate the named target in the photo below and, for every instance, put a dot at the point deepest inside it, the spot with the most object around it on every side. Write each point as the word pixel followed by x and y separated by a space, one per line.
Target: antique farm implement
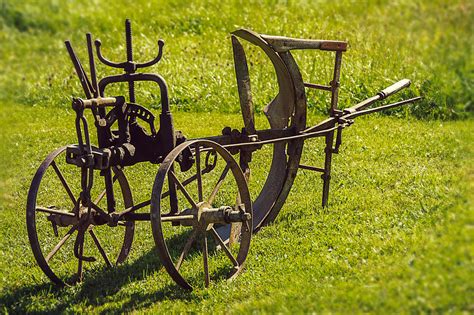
pixel 80 203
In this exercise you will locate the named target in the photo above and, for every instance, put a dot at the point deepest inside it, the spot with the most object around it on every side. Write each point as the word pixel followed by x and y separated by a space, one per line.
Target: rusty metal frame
pixel 130 144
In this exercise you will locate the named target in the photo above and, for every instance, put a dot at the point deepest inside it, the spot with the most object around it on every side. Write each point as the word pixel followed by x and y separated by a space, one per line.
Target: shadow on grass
pixel 94 290
pixel 100 286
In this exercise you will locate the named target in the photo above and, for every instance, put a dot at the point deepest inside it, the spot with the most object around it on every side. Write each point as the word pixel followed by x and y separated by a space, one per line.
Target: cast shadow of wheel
pixel 104 283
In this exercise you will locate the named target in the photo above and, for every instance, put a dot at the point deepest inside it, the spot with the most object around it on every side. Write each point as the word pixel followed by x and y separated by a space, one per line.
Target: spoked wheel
pixel 187 206
pixel 64 236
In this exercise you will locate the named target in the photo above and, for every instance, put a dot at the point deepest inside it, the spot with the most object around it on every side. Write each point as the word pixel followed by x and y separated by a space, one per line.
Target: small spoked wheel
pixel 193 206
pixel 66 237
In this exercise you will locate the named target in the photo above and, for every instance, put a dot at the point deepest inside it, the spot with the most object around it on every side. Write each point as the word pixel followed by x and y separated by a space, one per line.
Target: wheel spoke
pixel 100 248
pixel 205 259
pixel 54 211
pixel 185 183
pixel 80 254
pixel 61 243
pixel 189 180
pixel 63 182
pixel 218 184
pixel 183 190
pixel 186 248
pixel 100 197
pixel 198 172
pixel 224 247
pixel 104 192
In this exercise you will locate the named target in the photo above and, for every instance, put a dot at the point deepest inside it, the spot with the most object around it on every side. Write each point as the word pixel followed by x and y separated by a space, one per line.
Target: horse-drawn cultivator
pixel 200 200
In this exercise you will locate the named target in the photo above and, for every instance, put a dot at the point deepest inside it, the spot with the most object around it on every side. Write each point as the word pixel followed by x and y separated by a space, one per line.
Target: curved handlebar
pixel 129 66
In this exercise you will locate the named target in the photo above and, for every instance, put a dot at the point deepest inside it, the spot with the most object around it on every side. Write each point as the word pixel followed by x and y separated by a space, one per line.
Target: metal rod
pixel 52 211
pixel 224 247
pixel 173 218
pixel 90 50
pixel 63 181
pixel 335 82
pixel 198 173
pixel 394 88
pixel 100 248
pixel 164 218
pixel 85 83
pixel 186 194
pixel 373 110
pixel 129 47
pixel 205 259
pixel 303 134
pixel 61 242
pixel 186 248
pixel 317 86
pixel 326 176
pixel 311 168
pixel 313 134
pixel 134 208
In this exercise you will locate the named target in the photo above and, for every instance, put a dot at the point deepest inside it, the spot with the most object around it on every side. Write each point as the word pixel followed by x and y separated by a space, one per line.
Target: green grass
pixel 429 42
pixel 397 236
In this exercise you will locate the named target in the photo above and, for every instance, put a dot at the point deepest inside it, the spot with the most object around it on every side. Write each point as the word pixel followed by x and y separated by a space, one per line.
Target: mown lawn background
pixel 398 233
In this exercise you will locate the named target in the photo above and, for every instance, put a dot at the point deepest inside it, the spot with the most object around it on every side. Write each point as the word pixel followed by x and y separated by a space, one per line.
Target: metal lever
pixel 85 82
pixel 380 108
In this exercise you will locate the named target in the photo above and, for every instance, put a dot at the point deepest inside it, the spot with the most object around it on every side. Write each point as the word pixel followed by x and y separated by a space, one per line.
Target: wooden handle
pixel 394 88
pixel 79 103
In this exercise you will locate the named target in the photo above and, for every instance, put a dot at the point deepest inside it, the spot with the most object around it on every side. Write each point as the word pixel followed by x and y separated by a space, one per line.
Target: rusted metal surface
pixel 127 135
pixel 283 44
pixel 73 219
pixel 204 215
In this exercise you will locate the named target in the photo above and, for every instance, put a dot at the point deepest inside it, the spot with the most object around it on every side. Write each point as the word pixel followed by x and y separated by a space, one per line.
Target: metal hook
pixel 105 61
pixel 161 43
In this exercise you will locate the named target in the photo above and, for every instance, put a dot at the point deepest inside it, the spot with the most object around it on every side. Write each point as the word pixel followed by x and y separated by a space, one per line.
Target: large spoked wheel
pixel 65 237
pixel 187 206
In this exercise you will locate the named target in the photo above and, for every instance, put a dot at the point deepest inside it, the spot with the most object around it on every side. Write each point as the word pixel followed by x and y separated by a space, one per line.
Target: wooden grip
pixel 79 103
pixel 394 88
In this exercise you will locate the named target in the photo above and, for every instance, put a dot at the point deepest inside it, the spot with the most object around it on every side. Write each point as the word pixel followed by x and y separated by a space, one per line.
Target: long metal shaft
pixel 326 176
pixel 128 39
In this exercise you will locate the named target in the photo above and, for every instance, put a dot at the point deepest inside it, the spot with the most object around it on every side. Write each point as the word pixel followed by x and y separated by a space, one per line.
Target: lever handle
pixel 394 88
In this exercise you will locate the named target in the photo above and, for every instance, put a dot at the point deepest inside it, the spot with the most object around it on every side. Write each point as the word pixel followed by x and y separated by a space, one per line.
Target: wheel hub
pixel 206 216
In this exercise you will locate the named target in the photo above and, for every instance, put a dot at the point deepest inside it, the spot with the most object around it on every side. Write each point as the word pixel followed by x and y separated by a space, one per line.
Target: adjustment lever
pixel 138 111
